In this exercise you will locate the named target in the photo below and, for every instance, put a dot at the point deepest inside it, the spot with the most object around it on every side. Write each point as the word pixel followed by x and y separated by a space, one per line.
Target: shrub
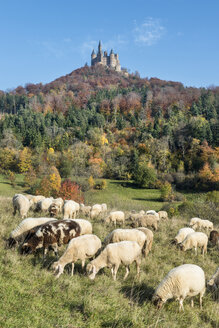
pixel 50 184
pixel 145 176
pixel 70 190
pixel 91 182
pixel 171 209
pixel 213 197
pixel 166 192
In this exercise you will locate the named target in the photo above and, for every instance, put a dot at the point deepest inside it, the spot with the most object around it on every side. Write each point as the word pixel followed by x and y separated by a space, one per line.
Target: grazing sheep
pixel 21 204
pixel 96 210
pixel 195 239
pixel 77 206
pixel 182 281
pixel 142 212
pixel 150 236
pixel 59 202
pixel 151 212
pixel 69 209
pixel 182 234
pixel 118 235
pixel 86 210
pixel 21 231
pixel 213 283
pixel 104 208
pixel 193 221
pixel 147 221
pixel 205 224
pixel 116 216
pixel 163 215
pixel 124 252
pixel 134 216
pixel 53 210
pixel 52 234
pixel 44 204
pixel 85 225
pixel 213 238
pixel 80 248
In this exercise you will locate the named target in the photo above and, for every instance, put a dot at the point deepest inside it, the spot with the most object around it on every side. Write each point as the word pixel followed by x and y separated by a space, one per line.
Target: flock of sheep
pixel 120 247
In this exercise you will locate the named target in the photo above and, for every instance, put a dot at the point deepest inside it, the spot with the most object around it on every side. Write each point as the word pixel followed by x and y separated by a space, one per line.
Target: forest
pixel 98 123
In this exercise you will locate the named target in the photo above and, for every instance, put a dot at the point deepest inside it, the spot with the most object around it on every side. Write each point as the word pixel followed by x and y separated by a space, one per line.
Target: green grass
pixel 6 189
pixel 30 296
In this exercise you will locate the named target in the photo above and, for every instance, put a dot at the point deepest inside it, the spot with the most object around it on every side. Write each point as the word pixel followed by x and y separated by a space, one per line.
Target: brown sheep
pixel 213 238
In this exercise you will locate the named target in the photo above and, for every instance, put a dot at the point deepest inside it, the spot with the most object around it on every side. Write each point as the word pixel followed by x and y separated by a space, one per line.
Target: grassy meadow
pixel 30 296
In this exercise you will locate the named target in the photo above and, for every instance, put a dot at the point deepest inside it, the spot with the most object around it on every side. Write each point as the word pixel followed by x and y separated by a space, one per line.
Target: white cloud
pixel 149 32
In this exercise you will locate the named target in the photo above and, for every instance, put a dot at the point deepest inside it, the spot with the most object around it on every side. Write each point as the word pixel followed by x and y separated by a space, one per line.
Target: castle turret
pixel 99 48
pixel 93 55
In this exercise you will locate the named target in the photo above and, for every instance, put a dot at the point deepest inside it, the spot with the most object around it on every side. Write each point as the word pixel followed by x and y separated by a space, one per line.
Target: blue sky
pixel 174 40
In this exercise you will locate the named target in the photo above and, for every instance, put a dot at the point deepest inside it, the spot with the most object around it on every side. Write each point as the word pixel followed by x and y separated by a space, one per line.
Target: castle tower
pixel 111 60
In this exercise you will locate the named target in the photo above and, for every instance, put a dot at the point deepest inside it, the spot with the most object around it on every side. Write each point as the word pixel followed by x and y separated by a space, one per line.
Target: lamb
pixel 195 239
pixel 52 234
pixel 205 224
pixel 21 204
pixel 79 248
pixel 150 236
pixel 44 204
pixel 182 281
pixel 213 283
pixel 69 209
pixel 147 221
pixel 118 235
pixel 85 210
pixel 124 252
pixel 116 216
pixel 163 215
pixel 182 234
pixel 21 231
pixel 213 238
pixel 85 225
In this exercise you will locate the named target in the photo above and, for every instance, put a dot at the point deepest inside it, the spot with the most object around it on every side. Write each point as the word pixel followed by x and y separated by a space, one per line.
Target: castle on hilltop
pixel 102 58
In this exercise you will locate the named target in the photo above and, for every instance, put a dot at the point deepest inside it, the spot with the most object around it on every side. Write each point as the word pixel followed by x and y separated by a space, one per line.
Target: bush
pixel 91 182
pixel 166 192
pixel 171 209
pixel 70 190
pixel 145 176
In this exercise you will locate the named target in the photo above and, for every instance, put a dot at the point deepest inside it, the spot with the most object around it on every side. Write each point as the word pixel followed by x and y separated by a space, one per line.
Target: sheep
pixel 151 212
pixel 195 239
pixel 52 235
pixel 213 238
pixel 124 252
pixel 135 216
pixel 116 216
pixel 163 215
pixel 22 204
pixel 213 283
pixel 85 225
pixel 104 208
pixel 150 236
pixel 182 281
pixel 182 234
pixel 59 203
pixel 53 210
pixel 77 206
pixel 193 221
pixel 44 204
pixel 147 221
pixel 142 212
pixel 20 232
pixel 69 209
pixel 205 224
pixel 79 248
pixel 86 210
pixel 118 235
pixel 95 211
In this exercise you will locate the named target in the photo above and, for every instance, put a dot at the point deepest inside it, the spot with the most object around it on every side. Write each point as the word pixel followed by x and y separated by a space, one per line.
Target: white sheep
pixel 20 232
pixel 142 212
pixel 118 235
pixel 213 283
pixel 85 225
pixel 95 211
pixel 203 224
pixel 77 206
pixel 163 215
pixel 147 220
pixel 182 234
pixel 124 252
pixel 150 236
pixel 104 208
pixel 116 216
pixel 44 204
pixel 135 216
pixel 86 210
pixel 21 204
pixel 69 209
pixel 59 202
pixel 79 248
pixel 182 281
pixel 193 221
pixel 152 212
pixel 195 239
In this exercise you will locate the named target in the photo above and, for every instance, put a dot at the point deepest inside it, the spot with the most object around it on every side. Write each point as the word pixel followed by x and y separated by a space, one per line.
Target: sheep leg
pixel 138 262
pixel 115 272
pixel 195 250
pixel 82 264
pixel 181 305
pixel 14 210
pixel 127 272
pixel 72 268
pixel 192 302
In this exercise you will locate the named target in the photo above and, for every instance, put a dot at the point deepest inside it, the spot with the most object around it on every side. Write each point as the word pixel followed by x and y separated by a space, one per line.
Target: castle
pixel 102 58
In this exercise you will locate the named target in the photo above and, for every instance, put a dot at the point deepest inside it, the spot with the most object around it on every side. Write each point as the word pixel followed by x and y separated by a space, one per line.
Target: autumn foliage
pixel 70 190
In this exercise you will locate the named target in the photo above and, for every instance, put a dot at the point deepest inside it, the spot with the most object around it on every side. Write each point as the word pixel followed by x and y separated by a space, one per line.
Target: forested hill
pixel 119 119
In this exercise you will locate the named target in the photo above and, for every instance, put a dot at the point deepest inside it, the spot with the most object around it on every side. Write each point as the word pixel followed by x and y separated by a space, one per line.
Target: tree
pixel 145 176
pixel 25 161
pixel 70 190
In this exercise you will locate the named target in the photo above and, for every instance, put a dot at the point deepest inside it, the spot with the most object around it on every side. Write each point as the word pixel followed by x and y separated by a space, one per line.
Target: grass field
pixel 31 296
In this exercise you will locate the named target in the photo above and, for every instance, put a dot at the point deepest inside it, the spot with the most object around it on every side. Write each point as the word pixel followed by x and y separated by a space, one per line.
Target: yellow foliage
pixel 104 140
pixel 91 182
pixel 25 160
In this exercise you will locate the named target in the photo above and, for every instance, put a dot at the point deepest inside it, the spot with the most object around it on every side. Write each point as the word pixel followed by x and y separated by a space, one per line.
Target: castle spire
pixel 99 47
